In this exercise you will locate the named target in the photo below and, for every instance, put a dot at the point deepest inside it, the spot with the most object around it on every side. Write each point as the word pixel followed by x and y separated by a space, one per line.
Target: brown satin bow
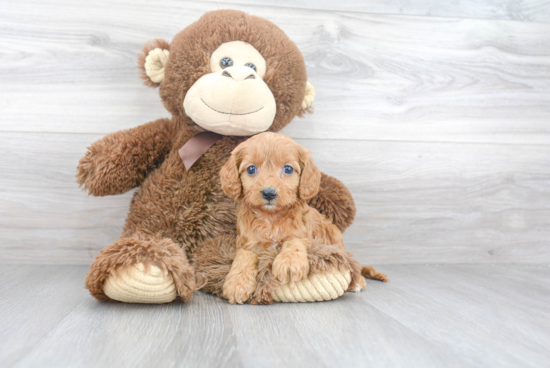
pixel 195 147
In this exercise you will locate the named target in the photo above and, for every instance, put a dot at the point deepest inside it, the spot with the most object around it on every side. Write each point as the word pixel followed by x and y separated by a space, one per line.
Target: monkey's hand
pixel 120 161
pixel 334 201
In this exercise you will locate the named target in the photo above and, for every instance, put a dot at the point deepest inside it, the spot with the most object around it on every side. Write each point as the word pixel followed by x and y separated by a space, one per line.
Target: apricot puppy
pixel 271 177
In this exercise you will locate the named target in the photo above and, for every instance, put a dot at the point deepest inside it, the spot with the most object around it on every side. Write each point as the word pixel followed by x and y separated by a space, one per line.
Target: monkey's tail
pixel 371 273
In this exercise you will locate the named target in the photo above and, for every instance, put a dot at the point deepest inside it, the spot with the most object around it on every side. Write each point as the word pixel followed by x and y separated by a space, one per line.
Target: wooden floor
pixel 427 316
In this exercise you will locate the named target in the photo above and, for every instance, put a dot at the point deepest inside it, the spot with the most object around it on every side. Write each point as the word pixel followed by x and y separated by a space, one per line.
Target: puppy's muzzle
pixel 269 194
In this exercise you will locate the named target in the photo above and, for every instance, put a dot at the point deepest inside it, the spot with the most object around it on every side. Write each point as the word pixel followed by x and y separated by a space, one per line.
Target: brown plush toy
pixel 225 77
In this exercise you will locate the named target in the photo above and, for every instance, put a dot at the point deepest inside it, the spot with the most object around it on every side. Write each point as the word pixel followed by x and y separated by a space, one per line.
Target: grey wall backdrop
pixel 436 116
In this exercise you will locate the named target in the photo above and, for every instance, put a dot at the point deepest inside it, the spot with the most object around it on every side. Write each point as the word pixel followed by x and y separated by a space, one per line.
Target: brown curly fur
pixel 285 221
pixel 335 202
pixel 213 260
pixel 189 207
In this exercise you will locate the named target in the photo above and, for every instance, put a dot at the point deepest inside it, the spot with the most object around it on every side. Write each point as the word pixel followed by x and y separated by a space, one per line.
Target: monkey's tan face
pixel 233 99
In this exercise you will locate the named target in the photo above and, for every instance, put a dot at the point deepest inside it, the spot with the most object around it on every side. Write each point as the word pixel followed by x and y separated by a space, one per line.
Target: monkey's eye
pixel 226 62
pixel 250 65
pixel 288 169
pixel 251 170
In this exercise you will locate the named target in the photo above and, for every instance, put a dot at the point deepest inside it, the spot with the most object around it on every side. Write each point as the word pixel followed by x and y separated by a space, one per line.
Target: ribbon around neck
pixel 195 147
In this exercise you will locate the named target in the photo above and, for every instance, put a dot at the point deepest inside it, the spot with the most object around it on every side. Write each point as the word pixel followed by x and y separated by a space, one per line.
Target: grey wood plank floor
pixel 427 316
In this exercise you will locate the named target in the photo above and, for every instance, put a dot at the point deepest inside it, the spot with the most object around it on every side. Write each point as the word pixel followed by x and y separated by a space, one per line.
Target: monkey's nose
pixel 239 73
pixel 269 194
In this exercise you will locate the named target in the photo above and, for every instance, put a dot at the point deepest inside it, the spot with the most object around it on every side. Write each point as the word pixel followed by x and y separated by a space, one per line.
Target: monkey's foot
pixel 318 287
pixel 141 269
pixel 135 284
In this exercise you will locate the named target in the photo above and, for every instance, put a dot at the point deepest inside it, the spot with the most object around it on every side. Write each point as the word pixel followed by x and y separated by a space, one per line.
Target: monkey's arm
pixel 334 201
pixel 120 161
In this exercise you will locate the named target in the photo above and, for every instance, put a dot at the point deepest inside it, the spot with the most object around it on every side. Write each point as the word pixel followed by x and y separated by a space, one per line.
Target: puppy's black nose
pixel 269 194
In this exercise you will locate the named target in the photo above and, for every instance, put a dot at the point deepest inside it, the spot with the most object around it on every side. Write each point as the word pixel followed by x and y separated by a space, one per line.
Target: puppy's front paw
pixel 238 287
pixel 291 264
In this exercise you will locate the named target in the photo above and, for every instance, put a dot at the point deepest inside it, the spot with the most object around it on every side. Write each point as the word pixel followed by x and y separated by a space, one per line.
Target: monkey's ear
pixel 310 177
pixel 230 178
pixel 151 61
pixel 308 99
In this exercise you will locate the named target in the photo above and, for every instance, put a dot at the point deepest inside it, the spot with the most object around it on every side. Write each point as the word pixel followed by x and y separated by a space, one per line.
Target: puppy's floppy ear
pixel 310 176
pixel 230 178
pixel 152 60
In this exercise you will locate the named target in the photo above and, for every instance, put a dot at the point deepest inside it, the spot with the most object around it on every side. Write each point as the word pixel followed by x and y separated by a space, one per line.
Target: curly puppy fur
pixel 189 207
pixel 272 177
pixel 214 258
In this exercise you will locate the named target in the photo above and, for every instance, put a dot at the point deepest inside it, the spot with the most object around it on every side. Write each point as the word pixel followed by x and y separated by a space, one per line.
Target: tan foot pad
pixel 133 285
pixel 316 288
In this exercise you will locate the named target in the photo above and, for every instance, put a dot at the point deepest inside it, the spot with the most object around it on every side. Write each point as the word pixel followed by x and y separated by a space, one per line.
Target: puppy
pixel 271 177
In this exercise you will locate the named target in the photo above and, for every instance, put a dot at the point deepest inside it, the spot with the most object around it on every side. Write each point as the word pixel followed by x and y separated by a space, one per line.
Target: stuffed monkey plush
pixel 223 78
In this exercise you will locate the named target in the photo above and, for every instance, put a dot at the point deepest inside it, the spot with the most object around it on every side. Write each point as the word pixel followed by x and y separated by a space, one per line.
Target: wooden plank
pixel 427 316
pixel 345 333
pixel 33 300
pixel 417 202
pixel 76 330
pixel 524 11
pixel 69 66
pixel 450 203
pixel 489 316
pixel 45 216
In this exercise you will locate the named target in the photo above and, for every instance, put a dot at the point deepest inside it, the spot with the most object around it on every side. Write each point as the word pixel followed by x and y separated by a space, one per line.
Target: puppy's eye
pixel 226 62
pixel 250 65
pixel 288 170
pixel 251 170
